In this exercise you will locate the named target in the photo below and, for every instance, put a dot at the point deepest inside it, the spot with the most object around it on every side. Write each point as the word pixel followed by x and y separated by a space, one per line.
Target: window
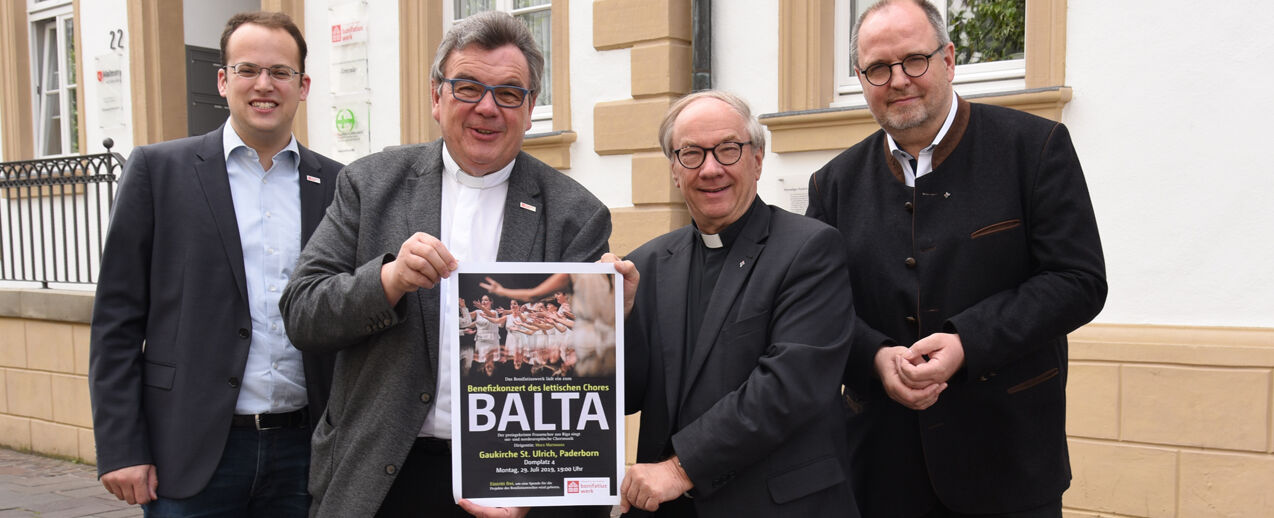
pixel 536 14
pixel 53 64
pixel 989 37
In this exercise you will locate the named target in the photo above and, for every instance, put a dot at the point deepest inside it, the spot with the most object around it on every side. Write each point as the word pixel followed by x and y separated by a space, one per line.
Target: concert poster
pixel 537 408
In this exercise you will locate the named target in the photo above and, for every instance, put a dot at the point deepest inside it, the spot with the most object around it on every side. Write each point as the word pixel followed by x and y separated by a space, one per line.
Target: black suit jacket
pixel 998 244
pixel 171 326
pixel 756 420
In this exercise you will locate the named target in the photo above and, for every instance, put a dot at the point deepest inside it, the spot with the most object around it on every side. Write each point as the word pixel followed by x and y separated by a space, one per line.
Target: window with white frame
pixel 989 37
pixel 537 15
pixel 53 74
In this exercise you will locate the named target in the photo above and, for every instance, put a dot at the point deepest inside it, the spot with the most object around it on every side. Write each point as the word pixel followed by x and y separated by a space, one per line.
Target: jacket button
pixel 910 262
pixel 426 397
pixel 233 381
pixel 909 207
pixel 911 320
pixel 387 321
pixel 390 469
pixel 244 333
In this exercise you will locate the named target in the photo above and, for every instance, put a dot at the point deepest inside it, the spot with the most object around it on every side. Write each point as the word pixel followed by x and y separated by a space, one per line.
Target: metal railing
pixel 54 213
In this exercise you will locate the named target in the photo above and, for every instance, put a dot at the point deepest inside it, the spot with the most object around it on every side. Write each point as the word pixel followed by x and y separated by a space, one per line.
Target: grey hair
pixel 756 134
pixel 490 30
pixel 931 12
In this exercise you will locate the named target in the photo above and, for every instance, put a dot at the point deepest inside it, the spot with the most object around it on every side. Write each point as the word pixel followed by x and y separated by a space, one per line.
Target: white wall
pixel 1175 155
pixel 203 21
pixel 597 76
pixel 97 20
pixel 745 54
pixel 383 68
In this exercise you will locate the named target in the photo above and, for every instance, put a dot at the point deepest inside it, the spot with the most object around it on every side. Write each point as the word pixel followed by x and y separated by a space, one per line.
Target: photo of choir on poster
pixel 537 406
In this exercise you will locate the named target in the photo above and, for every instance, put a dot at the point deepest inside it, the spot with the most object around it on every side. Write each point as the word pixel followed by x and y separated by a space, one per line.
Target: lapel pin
pixel 527 206
pixel 314 179
pixel 741 261
pixel 946 195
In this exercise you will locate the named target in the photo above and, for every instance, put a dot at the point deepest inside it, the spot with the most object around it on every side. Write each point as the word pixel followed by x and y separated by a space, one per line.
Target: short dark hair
pixel 491 30
pixel 268 19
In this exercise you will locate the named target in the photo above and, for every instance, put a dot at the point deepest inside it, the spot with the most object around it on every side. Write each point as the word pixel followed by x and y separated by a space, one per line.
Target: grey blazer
pixel 387 356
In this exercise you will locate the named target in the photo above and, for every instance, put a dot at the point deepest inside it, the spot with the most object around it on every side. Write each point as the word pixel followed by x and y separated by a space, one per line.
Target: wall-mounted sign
pixel 110 90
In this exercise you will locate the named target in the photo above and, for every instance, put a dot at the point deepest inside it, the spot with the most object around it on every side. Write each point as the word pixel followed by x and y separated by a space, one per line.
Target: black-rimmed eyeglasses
pixel 470 91
pixel 914 65
pixel 726 153
pixel 280 73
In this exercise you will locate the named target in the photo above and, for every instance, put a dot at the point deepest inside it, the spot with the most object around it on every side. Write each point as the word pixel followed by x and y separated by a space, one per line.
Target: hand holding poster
pixel 538 405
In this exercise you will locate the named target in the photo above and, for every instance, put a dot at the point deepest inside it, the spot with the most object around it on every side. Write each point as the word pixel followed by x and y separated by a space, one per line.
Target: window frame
pixel 45 19
pixel 806 121
pixel 970 79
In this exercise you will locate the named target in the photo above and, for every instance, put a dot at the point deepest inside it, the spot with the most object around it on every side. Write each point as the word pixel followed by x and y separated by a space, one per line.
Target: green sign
pixel 345 120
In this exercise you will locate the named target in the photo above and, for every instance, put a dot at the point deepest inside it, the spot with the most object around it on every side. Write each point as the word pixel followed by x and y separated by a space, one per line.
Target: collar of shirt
pixel 924 162
pixel 453 172
pixel 231 142
pixel 725 238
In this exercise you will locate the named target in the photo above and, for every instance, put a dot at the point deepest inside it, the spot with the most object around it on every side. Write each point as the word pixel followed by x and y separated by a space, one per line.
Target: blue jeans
pixel 260 474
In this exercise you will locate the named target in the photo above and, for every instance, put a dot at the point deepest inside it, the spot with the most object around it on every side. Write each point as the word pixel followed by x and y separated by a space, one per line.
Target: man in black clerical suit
pixel 736 338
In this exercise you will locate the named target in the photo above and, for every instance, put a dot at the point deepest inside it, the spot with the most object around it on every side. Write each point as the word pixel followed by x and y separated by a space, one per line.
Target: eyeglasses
pixel 726 153
pixel 282 73
pixel 914 65
pixel 470 91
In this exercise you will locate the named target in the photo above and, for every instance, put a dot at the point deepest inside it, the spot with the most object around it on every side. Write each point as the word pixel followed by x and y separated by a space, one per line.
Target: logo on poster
pixel 588 486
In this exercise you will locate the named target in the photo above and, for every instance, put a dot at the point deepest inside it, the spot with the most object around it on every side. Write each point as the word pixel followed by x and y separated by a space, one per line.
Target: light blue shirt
pixel 267 207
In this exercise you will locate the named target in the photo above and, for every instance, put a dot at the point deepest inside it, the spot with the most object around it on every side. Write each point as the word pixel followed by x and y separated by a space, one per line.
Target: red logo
pixel 336 33
pixel 99 76
pixel 572 486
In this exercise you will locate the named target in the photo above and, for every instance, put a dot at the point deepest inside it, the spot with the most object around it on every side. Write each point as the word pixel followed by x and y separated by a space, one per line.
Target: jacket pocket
pixel 322 454
pixel 159 375
pixel 1045 376
pixel 995 227
pixel 805 480
pixel 745 327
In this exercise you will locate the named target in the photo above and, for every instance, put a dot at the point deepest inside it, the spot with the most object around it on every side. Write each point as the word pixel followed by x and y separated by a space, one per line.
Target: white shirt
pixel 472 217
pixel 267 208
pixel 924 162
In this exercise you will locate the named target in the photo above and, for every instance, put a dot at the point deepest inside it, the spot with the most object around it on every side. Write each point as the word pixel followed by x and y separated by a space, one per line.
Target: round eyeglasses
pixel 470 91
pixel 280 73
pixel 914 65
pixel 726 153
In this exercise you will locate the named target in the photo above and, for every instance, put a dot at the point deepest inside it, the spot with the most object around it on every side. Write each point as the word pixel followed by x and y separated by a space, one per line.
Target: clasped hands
pixel 915 376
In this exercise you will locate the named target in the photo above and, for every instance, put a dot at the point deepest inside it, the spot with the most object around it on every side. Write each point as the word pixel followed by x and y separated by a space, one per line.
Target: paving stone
pixel 33 485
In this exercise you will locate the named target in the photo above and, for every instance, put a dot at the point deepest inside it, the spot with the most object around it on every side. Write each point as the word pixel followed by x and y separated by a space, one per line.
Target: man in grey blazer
pixel 196 391
pixel 402 220
pixel 736 340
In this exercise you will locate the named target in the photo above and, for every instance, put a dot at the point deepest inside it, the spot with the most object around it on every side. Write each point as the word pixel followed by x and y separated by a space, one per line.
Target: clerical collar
pixel 452 170
pixel 726 237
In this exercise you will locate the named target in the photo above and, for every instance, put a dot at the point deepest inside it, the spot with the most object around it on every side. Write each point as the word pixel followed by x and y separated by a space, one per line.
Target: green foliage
pixel 987 30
